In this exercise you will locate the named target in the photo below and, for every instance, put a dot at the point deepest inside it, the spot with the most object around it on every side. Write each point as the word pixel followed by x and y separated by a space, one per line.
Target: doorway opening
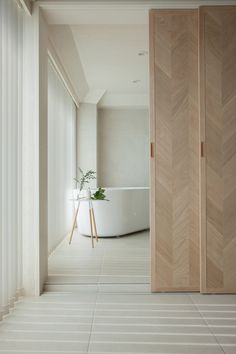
pixel 108 133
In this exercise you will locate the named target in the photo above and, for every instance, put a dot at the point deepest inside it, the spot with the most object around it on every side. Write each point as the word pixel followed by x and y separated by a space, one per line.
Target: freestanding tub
pixel 126 211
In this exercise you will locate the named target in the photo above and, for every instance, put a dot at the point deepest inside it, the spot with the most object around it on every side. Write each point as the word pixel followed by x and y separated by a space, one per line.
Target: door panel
pixel 175 165
pixel 218 121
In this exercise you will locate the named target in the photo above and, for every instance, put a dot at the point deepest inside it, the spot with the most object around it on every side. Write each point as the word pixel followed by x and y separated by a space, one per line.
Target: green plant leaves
pixel 85 178
pixel 99 194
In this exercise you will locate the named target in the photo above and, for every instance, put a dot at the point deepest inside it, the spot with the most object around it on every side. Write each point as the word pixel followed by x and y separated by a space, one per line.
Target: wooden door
pixel 175 150
pixel 218 130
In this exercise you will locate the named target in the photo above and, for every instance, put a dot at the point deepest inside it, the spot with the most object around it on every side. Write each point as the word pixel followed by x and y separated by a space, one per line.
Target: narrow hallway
pixel 124 261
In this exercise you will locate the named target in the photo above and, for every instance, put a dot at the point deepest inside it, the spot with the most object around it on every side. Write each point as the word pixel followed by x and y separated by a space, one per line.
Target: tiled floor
pixel 120 260
pixel 103 317
pixel 100 322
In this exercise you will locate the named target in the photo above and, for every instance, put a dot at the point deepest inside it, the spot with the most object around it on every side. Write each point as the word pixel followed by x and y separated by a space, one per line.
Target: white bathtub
pixel 126 211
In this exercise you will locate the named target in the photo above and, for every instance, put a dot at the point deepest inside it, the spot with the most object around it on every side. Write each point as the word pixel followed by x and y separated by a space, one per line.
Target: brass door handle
pixel 202 149
pixel 152 150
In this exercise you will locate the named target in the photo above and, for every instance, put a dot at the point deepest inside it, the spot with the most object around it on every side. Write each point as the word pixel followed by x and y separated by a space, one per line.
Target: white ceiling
pixel 109 56
pixel 108 36
pixel 113 12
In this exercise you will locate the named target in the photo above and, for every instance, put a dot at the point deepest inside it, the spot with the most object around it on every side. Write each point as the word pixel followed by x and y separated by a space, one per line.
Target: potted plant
pixel 84 179
pixel 99 194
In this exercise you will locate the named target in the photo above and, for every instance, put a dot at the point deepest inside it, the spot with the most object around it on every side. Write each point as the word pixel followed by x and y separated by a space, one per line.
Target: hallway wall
pixel 123 147
pixel 61 159
pixel 87 139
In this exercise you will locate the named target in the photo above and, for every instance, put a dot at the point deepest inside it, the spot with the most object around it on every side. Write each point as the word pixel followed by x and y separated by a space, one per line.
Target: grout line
pixel 207 324
pixel 91 327
pixel 102 264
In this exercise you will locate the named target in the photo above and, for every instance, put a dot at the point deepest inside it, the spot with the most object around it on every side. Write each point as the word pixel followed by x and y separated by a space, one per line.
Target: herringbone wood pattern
pixel 220 123
pixel 174 37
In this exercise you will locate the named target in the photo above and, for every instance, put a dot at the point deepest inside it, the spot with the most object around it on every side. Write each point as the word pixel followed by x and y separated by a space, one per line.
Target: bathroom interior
pixel 98 119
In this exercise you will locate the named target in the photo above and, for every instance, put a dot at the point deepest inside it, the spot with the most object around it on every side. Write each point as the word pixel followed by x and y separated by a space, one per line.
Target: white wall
pixel 61 159
pixel 63 42
pixel 87 138
pixel 130 100
pixel 123 147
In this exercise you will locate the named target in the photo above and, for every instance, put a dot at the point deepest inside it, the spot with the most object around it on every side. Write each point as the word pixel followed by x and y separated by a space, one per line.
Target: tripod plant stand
pixel 92 220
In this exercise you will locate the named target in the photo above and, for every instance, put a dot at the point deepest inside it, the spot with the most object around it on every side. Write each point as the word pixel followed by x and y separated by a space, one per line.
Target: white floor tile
pixel 61 346
pixel 50 319
pixel 213 299
pixel 162 348
pixel 72 279
pixel 229 349
pixel 221 315
pixel 68 288
pixel 124 288
pixel 162 328
pixel 153 338
pixel 56 306
pixel 217 308
pixel 54 312
pixel 221 322
pixel 36 335
pixel 148 320
pixel 124 279
pixel 227 340
pixel 149 298
pixel 223 330
pixel 144 306
pixel 85 296
pixel 11 325
pixel 32 351
pixel 147 313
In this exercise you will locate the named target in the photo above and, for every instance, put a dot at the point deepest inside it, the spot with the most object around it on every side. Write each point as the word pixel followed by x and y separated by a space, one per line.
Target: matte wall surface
pixel 123 147
pixel 61 159
pixel 87 139
pixel 64 44
pixel 218 123
pixel 175 165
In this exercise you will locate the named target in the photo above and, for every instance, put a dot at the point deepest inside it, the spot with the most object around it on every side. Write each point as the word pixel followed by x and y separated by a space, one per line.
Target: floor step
pixel 98 288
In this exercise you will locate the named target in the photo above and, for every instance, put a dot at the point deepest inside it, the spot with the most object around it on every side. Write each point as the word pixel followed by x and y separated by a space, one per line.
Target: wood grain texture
pixel 175 168
pixel 218 102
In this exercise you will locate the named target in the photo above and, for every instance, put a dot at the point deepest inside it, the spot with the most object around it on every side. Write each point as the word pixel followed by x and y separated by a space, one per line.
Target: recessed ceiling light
pixel 136 81
pixel 142 53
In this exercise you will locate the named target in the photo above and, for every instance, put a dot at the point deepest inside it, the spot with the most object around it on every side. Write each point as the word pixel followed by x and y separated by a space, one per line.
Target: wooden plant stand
pixel 92 220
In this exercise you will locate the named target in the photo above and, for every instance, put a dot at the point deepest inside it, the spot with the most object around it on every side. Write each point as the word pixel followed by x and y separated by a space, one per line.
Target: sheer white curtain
pixel 61 158
pixel 10 154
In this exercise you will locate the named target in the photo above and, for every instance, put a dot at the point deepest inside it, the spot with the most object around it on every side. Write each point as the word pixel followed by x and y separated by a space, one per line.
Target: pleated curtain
pixel 10 154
